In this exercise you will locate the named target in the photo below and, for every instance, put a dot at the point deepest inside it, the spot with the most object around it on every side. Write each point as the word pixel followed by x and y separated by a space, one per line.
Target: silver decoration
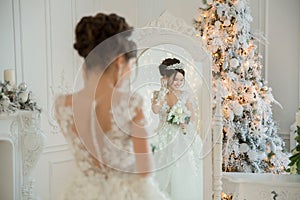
pixel 22 86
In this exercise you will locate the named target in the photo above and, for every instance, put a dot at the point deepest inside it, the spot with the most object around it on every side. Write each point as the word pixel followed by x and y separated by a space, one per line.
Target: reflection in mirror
pixel 172 86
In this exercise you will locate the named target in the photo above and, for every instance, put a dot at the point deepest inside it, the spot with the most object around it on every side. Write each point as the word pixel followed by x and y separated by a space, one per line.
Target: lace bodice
pixel 116 152
pixel 183 98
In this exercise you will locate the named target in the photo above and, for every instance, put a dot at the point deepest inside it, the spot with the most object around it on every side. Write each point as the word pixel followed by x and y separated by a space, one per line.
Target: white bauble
pixel 244 148
pixel 23 97
pixel 5 101
pixel 22 86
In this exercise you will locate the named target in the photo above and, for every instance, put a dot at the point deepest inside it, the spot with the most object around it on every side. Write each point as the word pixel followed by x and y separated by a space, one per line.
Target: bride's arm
pixel 156 102
pixel 140 144
pixel 190 108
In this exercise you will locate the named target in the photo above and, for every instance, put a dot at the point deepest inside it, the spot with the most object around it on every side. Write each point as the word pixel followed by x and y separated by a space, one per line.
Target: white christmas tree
pixel 250 139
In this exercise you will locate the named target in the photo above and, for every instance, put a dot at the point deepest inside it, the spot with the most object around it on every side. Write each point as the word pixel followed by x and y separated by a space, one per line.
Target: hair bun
pixel 165 63
pixel 92 30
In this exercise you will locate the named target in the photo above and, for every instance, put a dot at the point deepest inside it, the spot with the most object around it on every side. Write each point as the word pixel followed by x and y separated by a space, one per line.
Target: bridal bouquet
pixel 179 114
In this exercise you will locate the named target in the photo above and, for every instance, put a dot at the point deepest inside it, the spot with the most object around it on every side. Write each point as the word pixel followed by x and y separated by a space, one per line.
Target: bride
pixel 103 122
pixel 177 147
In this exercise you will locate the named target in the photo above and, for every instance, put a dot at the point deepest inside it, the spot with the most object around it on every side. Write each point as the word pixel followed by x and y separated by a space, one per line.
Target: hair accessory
pixel 175 66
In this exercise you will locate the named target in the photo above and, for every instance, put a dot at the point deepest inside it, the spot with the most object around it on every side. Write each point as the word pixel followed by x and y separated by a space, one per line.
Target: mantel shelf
pixel 261 186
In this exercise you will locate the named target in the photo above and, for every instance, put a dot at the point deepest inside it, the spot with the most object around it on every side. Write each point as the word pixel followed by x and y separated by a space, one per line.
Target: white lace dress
pixel 179 156
pixel 96 181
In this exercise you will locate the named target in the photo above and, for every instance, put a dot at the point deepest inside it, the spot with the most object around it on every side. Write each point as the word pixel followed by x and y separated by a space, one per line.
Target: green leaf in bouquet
pixel 171 119
pixel 297 138
pixel 187 120
pixel 295 157
pixel 292 163
pixel 298 164
pixel 153 147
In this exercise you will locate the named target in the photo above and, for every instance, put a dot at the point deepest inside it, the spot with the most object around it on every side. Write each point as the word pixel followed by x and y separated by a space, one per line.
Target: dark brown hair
pixel 93 30
pixel 169 72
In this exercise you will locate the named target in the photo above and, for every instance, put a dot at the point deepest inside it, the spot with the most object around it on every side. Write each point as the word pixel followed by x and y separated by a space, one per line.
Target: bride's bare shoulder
pixel 63 100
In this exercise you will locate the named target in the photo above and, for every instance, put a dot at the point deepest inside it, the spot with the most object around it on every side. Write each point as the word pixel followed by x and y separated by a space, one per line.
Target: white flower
pixel 227 22
pixel 179 110
pixel 218 24
pixel 244 148
pixel 234 63
pixel 178 114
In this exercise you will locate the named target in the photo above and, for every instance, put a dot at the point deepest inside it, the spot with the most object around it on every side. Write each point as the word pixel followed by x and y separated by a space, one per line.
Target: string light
pixel 241 84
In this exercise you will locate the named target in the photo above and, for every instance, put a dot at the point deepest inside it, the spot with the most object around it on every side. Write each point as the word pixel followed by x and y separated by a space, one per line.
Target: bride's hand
pixel 163 82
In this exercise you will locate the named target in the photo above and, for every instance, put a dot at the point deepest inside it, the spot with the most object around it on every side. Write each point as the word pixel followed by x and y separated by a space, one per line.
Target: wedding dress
pixel 178 156
pixel 109 179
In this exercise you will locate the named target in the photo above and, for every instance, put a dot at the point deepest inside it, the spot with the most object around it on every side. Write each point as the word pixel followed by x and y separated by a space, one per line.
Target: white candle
pixel 9 75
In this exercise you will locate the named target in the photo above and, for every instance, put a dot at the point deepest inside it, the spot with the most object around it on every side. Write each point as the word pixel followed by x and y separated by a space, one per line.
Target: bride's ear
pixel 120 62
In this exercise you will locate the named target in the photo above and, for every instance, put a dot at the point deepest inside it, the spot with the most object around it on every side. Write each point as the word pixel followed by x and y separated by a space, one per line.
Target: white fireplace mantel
pixel 252 186
pixel 23 139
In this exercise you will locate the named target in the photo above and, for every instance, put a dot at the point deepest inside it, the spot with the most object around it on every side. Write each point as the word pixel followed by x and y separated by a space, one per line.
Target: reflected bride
pixel 177 147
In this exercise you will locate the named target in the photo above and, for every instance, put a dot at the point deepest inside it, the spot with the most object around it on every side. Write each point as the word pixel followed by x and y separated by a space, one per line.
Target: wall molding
pixel 48 52
pixel 299 68
pixel 266 30
pixel 56 148
pixel 51 165
pixel 18 45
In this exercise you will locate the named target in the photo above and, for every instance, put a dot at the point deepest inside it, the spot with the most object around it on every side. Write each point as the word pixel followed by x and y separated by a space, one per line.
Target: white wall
pixel 37 38
pixel 7 54
pixel 279 21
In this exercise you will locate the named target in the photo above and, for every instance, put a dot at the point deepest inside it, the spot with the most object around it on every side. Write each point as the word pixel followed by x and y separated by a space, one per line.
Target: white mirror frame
pixel 212 165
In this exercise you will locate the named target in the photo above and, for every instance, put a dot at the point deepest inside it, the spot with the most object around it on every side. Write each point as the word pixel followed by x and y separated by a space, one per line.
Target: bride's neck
pixel 176 92
pixel 98 82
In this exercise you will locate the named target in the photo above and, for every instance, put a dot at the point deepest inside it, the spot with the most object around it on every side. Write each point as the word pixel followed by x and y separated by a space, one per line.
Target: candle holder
pixel 9 76
pixel 226 196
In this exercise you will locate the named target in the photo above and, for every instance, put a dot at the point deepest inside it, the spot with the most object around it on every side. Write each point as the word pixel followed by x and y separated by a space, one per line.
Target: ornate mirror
pixel 181 160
